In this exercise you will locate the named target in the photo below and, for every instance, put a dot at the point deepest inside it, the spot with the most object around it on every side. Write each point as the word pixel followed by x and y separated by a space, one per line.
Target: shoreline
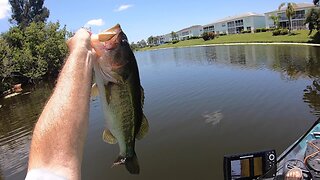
pixel 239 44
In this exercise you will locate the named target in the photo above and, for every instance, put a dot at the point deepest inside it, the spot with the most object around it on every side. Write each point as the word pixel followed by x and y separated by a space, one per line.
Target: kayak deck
pixel 294 156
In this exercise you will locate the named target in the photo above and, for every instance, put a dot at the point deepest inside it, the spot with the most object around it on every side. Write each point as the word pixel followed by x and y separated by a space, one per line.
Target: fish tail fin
pixel 131 163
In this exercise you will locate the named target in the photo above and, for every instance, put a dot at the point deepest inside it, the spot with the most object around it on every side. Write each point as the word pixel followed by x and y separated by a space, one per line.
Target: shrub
pixel 193 37
pixel 223 34
pixel 243 32
pixel 284 31
pixel 263 30
pixel 37 52
pixel 208 35
pixel 271 29
pixel 257 30
pixel 175 41
pixel 276 32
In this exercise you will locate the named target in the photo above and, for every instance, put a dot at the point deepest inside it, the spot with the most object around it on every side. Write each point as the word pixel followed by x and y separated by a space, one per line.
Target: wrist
pixel 79 51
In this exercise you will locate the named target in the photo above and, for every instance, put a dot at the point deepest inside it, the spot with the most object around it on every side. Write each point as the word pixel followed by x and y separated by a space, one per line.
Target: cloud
pixel 123 7
pixel 4 8
pixel 94 22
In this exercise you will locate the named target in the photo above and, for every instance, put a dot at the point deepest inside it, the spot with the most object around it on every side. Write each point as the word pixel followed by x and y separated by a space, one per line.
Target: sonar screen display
pixel 245 168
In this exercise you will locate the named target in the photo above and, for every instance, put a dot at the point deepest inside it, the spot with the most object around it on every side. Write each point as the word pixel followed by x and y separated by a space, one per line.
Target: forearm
pixel 60 132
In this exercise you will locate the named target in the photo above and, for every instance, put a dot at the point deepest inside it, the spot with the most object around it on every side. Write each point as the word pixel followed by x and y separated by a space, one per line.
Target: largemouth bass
pixel 118 83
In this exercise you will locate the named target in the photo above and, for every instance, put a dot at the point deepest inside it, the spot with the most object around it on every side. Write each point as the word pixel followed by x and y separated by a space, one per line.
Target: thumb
pixel 98 46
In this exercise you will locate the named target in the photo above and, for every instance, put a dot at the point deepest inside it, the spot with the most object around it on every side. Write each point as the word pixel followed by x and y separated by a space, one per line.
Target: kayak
pixel 303 154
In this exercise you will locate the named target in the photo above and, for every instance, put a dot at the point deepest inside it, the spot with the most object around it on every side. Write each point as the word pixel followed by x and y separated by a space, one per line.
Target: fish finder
pixel 250 165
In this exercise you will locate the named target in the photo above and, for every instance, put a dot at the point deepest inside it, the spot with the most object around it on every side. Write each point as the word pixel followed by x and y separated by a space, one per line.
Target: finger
pixel 69 42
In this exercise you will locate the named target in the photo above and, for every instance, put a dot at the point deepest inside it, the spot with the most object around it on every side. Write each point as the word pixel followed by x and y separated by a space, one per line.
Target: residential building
pixel 167 38
pixel 235 24
pixel 193 31
pixel 297 22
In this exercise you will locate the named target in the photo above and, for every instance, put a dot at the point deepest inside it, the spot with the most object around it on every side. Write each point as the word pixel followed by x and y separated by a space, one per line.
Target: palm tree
pixel 174 36
pixel 290 11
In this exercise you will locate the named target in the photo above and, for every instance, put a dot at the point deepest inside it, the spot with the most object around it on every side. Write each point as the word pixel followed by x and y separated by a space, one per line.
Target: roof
pixel 297 6
pixel 239 16
pixel 191 27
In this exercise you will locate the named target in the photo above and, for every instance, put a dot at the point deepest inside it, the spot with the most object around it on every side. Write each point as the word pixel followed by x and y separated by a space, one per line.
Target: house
pixel 301 9
pixel 193 31
pixel 235 24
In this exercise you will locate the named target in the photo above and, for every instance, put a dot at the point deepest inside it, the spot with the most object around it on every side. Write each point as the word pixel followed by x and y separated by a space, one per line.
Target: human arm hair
pixel 60 132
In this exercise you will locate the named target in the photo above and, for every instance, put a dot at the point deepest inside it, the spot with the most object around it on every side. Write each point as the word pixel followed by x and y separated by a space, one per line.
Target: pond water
pixel 201 103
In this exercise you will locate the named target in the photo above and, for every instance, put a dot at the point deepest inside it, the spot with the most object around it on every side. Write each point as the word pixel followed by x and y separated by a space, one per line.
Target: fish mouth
pixel 108 40
pixel 111 37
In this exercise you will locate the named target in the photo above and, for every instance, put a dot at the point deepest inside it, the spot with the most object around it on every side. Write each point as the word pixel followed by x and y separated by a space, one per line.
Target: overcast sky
pixel 143 18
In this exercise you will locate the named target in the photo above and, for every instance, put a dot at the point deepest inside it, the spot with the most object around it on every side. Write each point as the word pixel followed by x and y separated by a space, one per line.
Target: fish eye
pixel 125 41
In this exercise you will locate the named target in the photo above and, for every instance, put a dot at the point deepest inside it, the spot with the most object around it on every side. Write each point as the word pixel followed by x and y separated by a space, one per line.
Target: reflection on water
pixel 202 102
pixel 312 97
pixel 18 115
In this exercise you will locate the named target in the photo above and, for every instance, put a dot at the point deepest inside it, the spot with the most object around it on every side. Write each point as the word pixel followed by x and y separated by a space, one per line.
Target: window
pixel 239 22
pixel 283 16
pixel 298 24
pixel 239 29
pixel 208 29
pixel 231 30
pixel 185 33
pixel 231 24
pixel 299 14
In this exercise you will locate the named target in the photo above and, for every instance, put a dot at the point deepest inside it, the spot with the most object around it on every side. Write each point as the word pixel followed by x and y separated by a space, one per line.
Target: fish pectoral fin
pixel 144 128
pixel 108 92
pixel 108 137
pixel 117 78
pixel 94 90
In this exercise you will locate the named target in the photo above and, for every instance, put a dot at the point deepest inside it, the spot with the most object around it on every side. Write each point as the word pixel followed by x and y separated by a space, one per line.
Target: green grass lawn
pixel 301 36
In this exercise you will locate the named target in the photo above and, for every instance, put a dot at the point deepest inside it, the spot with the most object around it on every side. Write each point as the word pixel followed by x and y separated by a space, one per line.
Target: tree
pixel 142 43
pixel 290 11
pixel 36 52
pixel 208 36
pixel 313 20
pixel 275 19
pixel 150 40
pixel 316 2
pixel 133 46
pixel 174 36
pixel 26 11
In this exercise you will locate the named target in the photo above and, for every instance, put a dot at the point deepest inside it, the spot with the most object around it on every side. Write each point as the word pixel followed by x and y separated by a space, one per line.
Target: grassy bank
pixel 300 36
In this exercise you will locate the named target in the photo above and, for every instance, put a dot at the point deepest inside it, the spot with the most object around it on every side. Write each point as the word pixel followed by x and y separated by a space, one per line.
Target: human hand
pixel 80 41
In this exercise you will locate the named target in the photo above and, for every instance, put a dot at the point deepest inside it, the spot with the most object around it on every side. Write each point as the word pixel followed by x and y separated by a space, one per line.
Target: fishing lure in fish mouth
pixel 122 96
pixel 121 161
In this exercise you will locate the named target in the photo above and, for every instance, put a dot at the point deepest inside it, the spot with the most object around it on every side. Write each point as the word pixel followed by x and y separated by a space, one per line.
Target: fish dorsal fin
pixel 108 137
pixel 144 128
pixel 94 90
pixel 142 96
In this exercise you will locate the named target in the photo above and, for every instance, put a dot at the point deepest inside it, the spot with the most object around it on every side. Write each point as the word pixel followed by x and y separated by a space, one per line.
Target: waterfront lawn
pixel 300 36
